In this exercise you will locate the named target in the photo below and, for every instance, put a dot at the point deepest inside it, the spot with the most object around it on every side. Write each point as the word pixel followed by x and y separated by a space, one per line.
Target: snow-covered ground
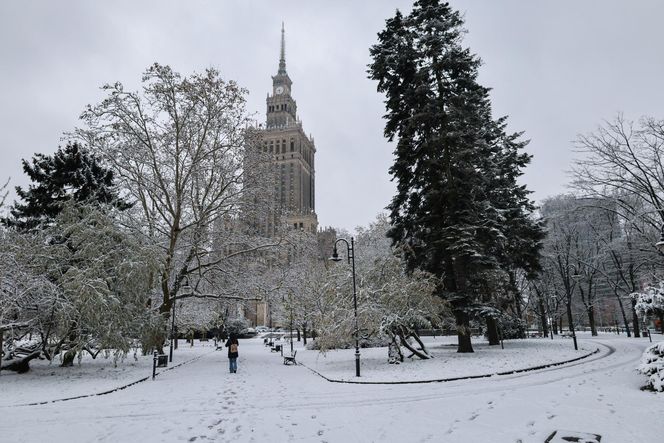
pixel 269 402
pixel 47 382
pixel 447 363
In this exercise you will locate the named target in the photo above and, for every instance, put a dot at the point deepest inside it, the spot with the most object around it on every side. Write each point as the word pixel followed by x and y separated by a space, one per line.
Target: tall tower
pixel 294 152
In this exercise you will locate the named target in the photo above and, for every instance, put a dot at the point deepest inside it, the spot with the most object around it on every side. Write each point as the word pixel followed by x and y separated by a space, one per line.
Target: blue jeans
pixel 232 361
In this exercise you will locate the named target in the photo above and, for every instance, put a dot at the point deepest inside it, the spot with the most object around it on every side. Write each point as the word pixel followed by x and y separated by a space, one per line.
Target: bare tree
pixel 179 150
pixel 623 162
pixel 622 165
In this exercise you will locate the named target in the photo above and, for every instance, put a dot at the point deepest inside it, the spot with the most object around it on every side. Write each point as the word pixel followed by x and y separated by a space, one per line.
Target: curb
pixel 110 391
pixel 442 380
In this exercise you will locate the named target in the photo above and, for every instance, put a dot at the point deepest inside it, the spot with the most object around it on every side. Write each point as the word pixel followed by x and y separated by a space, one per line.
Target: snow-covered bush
pixel 511 327
pixel 349 343
pixel 650 302
pixel 237 325
pixel 652 366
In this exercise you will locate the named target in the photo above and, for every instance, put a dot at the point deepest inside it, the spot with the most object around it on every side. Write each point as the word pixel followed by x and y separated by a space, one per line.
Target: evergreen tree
pixel 458 210
pixel 70 173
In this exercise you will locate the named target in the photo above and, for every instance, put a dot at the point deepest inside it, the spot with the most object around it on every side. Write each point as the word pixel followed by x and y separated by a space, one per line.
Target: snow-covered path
pixel 267 401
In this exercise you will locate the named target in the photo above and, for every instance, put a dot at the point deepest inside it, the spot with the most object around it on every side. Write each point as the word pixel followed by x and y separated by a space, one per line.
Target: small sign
pixel 561 436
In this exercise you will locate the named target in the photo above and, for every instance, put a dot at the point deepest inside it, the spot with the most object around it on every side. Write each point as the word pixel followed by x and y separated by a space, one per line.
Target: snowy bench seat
pixel 290 359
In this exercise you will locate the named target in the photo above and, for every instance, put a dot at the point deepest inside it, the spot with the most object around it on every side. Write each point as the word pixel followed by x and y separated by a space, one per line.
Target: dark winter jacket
pixel 229 342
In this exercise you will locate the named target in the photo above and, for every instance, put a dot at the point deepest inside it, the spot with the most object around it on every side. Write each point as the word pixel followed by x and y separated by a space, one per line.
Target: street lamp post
pixel 351 259
pixel 290 302
pixel 170 350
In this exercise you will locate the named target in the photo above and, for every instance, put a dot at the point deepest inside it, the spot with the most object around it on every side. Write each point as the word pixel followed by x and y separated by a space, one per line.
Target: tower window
pixel 292 146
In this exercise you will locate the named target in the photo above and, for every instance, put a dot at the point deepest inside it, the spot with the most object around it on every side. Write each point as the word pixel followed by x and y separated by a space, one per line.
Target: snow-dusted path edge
pixel 463 377
pixel 116 389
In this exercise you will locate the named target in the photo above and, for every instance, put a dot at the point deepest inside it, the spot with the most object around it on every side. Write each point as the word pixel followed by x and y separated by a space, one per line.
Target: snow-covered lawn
pixel 447 363
pixel 47 381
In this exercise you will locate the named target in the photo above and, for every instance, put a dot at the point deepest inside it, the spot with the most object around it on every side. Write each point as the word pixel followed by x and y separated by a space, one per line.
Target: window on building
pixel 292 146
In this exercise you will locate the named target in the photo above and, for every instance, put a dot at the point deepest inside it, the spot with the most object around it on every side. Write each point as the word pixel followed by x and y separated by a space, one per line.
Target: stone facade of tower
pixel 293 152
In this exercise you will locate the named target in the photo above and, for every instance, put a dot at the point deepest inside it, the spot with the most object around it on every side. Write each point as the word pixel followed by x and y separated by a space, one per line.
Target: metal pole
pixel 290 301
pixel 154 364
pixel 571 324
pixel 170 351
pixel 357 339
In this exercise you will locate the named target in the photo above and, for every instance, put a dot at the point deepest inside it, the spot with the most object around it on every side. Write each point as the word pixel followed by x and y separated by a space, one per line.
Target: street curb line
pixel 110 391
pixel 442 380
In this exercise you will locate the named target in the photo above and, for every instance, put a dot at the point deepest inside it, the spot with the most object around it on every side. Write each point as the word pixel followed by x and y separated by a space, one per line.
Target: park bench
pixel 288 359
pixel 276 348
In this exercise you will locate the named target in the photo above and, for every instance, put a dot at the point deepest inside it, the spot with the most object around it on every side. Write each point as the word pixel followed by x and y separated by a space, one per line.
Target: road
pixel 269 402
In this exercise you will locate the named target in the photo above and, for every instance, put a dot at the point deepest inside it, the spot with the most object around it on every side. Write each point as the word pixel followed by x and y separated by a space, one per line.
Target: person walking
pixel 232 346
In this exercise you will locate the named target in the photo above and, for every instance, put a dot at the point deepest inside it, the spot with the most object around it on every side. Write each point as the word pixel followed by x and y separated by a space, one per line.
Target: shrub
pixel 652 366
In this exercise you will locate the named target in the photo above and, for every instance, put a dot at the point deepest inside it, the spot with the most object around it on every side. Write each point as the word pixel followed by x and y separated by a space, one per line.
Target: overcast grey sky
pixel 556 68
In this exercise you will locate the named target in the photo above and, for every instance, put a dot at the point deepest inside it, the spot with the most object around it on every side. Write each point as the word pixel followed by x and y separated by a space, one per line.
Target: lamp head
pixel 185 286
pixel 660 244
pixel 335 255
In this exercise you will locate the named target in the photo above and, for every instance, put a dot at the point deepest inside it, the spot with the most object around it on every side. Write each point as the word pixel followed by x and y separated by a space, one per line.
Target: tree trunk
pixel 624 316
pixel 298 334
pixel 419 353
pixel 570 323
pixel 492 331
pixel 68 359
pixel 543 319
pixel 416 337
pixel 304 333
pixel 463 331
pixel 20 365
pixel 554 326
pixel 591 320
pixel 635 321
pixel 394 354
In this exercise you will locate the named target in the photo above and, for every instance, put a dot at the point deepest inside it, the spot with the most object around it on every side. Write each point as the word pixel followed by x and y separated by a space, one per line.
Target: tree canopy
pixel 458 211
pixel 71 173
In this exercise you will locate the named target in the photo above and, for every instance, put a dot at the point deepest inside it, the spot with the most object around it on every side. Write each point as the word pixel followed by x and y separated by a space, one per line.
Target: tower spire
pixel 282 54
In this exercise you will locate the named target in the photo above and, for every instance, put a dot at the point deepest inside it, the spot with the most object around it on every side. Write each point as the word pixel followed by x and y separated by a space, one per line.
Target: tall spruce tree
pixel 70 173
pixel 458 209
